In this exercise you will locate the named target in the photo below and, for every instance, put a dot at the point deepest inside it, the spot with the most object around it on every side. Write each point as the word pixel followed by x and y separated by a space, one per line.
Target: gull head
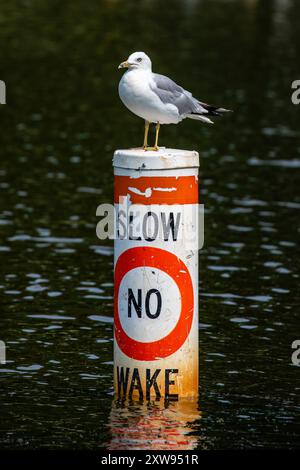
pixel 137 60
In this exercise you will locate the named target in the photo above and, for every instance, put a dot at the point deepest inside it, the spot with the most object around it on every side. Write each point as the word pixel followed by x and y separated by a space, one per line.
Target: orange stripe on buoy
pixel 157 189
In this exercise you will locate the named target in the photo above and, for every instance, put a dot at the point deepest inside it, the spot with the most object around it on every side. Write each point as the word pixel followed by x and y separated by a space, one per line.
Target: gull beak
pixel 123 65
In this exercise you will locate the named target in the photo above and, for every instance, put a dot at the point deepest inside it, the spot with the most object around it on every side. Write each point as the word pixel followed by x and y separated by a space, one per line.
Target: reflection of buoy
pixel 153 426
pixel 156 273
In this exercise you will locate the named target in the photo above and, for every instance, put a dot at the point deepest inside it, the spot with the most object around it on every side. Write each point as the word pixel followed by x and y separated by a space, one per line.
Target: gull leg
pixel 145 145
pixel 156 136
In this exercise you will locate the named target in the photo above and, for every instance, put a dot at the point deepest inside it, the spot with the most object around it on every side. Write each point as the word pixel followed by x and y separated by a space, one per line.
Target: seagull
pixel 157 99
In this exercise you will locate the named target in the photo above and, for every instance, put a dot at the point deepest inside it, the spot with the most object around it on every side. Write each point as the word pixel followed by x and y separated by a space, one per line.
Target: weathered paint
pixel 156 275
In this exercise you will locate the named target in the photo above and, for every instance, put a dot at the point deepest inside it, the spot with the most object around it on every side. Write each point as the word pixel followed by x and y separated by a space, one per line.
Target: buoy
pixel 156 274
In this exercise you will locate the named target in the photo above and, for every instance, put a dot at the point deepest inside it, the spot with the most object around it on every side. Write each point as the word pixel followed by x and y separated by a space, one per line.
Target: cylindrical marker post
pixel 156 273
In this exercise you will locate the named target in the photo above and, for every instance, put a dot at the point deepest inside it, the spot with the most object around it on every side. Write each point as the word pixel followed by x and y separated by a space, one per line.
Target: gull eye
pixel 139 59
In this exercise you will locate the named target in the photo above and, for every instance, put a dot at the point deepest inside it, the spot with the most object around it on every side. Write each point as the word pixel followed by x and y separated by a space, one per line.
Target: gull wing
pixel 170 93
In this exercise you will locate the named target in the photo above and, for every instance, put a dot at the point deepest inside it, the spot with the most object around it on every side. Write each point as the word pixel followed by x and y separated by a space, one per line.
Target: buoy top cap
pixel 162 159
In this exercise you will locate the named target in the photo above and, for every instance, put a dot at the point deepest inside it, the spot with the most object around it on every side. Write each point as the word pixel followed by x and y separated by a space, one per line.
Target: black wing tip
pixel 215 110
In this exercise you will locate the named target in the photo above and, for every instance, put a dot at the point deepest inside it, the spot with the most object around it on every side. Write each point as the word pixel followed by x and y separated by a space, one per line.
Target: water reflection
pixel 154 425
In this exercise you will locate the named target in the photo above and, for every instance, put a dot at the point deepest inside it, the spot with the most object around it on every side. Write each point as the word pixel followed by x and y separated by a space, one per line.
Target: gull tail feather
pixel 200 117
pixel 224 110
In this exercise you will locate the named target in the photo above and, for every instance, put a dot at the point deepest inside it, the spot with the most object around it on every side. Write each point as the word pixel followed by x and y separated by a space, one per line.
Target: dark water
pixel 62 121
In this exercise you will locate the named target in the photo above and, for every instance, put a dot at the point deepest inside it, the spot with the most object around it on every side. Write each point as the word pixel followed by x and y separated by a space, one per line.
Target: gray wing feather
pixel 171 93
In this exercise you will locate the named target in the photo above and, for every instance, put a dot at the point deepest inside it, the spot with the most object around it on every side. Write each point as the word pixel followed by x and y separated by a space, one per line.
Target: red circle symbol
pixel 139 257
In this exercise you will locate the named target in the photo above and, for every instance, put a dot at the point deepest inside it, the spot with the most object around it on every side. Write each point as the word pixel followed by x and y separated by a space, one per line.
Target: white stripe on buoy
pixel 156 273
